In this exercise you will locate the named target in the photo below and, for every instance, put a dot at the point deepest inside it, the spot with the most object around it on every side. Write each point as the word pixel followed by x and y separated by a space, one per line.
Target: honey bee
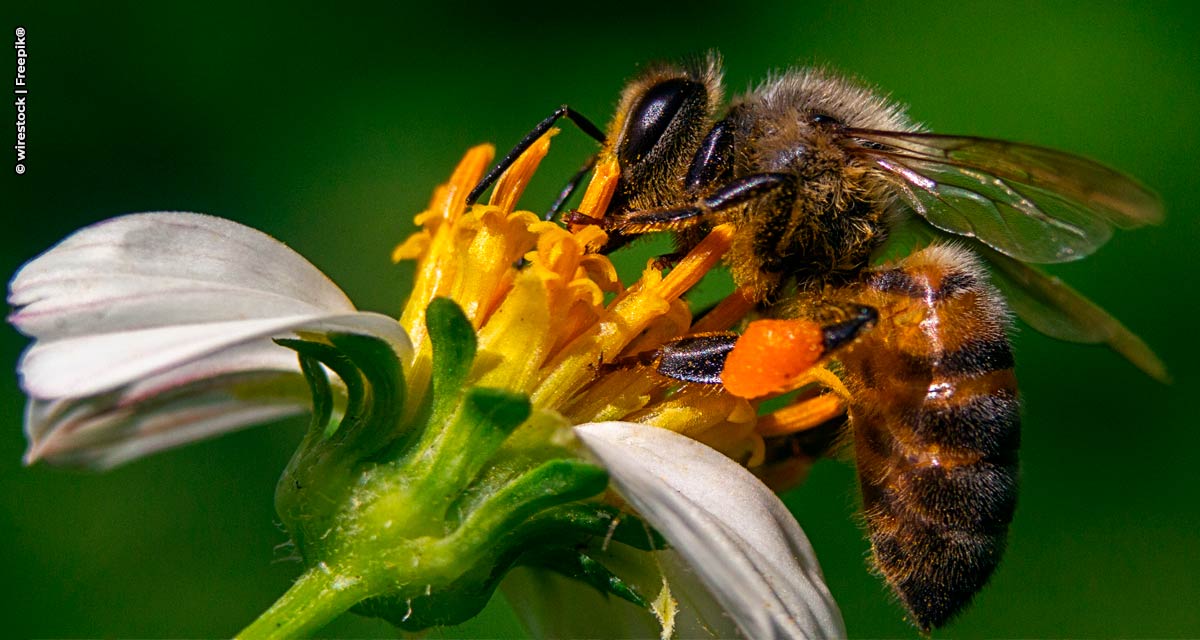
pixel 823 179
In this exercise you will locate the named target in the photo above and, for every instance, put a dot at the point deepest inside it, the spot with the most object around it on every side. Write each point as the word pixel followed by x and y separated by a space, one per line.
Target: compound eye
pixel 654 113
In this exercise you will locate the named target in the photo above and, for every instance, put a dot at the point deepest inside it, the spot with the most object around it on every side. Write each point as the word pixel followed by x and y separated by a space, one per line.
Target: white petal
pixel 160 269
pixel 733 531
pixel 195 397
pixel 700 614
pixel 242 386
pixel 155 329
pixel 139 294
pixel 91 364
pixel 183 392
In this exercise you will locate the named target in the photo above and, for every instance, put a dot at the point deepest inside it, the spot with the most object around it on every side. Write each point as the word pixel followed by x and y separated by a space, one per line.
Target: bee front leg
pixel 587 126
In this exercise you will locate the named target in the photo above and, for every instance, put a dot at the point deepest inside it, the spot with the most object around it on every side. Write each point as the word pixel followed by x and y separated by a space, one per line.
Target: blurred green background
pixel 328 128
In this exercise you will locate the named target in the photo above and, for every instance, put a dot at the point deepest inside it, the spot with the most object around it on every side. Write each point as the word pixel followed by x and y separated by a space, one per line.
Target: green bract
pixel 418 519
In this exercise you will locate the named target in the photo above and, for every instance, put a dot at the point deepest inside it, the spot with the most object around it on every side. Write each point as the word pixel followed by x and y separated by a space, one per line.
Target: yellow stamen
pixel 802 415
pixel 435 248
pixel 511 185
pixel 698 262
pixel 545 330
pixel 728 312
pixel 600 190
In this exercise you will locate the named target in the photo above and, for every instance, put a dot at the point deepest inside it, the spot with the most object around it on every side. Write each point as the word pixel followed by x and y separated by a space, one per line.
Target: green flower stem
pixel 321 594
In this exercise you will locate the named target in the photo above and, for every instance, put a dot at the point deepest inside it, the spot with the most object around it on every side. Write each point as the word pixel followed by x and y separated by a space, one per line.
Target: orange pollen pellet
pixel 770 355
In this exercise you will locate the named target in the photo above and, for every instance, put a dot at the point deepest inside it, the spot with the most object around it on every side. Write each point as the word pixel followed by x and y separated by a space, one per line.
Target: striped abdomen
pixel 936 428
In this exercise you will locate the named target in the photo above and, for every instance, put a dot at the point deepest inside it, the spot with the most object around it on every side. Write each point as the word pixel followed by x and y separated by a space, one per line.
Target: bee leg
pixel 730 196
pixel 563 196
pixel 788 458
pixel 587 126
pixel 697 358
pixel 572 185
pixel 776 356
pixel 668 260
pixel 642 359
pixel 766 357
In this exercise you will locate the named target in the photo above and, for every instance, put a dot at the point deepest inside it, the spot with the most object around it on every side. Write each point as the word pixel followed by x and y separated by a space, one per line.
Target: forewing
pixel 1033 204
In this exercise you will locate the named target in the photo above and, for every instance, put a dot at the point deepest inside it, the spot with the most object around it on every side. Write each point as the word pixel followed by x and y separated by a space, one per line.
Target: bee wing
pixel 1055 309
pixel 1030 203
pixel 1043 301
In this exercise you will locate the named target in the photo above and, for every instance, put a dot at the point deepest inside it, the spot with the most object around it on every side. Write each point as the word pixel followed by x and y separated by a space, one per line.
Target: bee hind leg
pixel 776 351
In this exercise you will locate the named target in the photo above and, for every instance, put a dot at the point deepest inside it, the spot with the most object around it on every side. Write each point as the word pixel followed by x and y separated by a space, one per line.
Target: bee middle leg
pixel 726 198
pixel 572 185
pixel 688 218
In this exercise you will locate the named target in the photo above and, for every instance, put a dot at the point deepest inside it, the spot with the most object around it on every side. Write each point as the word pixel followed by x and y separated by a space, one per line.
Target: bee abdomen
pixel 938 515
pixel 937 425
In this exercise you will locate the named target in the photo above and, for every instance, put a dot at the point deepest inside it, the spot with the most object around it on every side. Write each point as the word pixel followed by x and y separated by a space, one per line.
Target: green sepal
pixel 598 520
pixel 323 471
pixel 551 484
pixel 499 471
pixel 380 369
pixel 322 395
pixel 493 413
pixel 424 515
pixel 447 460
pixel 374 383
pixel 345 369
pixel 582 567
pixel 484 420
pixel 453 342
pixel 491 540
pixel 447 606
